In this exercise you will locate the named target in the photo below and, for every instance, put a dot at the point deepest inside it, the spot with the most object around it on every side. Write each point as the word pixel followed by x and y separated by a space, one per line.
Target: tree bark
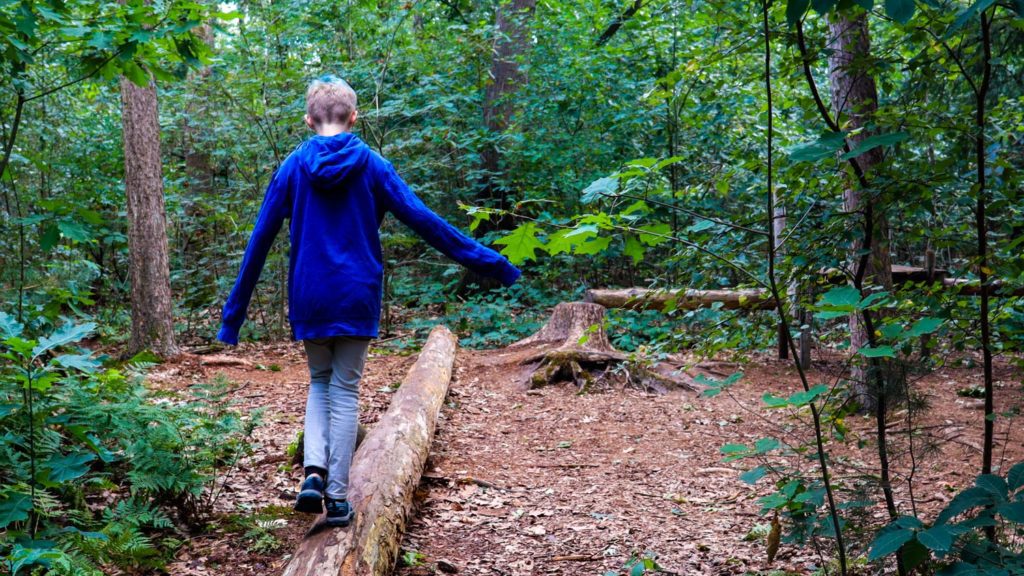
pixel 385 472
pixel 854 101
pixel 152 311
pixel 198 166
pixel 512 20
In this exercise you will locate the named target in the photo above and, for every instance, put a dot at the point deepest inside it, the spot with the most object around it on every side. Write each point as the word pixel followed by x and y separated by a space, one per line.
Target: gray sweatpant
pixel 332 409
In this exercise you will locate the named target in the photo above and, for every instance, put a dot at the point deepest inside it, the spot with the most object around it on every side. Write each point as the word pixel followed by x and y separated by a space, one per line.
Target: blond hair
pixel 330 100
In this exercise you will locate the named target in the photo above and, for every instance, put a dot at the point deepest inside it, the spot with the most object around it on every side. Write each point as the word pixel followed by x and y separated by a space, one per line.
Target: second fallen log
pixel 647 299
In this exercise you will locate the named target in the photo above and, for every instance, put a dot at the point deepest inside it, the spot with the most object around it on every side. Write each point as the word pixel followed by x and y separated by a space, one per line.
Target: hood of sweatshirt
pixel 331 160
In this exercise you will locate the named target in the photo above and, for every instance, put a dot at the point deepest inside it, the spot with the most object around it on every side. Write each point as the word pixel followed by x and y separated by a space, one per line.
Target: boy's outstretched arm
pixel 274 210
pixel 404 204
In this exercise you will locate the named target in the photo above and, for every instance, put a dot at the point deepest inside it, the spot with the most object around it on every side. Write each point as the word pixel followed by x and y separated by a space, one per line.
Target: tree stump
pixel 573 346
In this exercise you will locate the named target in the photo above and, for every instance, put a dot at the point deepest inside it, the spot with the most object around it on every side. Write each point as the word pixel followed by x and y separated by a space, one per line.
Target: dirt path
pixel 551 482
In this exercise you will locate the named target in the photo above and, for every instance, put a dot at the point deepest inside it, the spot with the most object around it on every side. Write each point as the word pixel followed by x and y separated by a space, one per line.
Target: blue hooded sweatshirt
pixel 336 192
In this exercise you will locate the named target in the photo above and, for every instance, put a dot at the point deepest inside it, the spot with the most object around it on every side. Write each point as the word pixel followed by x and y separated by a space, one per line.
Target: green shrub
pixel 94 470
pixel 977 533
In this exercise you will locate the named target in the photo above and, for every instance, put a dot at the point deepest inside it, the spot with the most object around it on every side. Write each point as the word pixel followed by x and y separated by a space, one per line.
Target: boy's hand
pixel 228 336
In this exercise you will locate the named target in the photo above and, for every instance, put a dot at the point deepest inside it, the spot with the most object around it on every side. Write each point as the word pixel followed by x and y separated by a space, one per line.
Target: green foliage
pixel 259 530
pixel 637 162
pixel 105 38
pixel 411 558
pixel 955 541
pixel 638 565
pixel 79 437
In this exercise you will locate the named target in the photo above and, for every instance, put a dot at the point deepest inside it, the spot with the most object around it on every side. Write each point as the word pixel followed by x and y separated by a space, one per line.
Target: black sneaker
pixel 311 495
pixel 339 512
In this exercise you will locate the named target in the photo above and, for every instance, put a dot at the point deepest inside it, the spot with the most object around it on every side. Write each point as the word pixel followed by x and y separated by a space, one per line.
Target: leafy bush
pixel 985 541
pixel 494 318
pixel 91 464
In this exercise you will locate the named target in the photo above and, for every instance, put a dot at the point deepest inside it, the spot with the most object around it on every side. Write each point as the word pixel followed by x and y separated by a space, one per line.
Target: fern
pixel 111 462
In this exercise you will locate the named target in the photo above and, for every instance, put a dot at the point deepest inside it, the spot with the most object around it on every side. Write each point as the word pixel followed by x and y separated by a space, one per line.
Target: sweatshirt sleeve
pixel 407 207
pixel 274 210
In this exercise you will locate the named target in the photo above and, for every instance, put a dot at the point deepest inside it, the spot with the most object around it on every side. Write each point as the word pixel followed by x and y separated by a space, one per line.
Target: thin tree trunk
pixel 198 166
pixel 854 101
pixel 981 226
pixel 776 296
pixel 512 20
pixel 152 312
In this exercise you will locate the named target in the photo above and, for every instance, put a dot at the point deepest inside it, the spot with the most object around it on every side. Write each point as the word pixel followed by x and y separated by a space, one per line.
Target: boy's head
pixel 330 105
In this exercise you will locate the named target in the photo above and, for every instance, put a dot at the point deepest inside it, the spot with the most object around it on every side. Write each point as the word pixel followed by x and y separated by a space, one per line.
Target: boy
pixel 336 191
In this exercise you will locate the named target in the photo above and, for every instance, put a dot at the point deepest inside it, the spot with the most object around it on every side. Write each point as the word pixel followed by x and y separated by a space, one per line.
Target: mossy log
pixel 385 472
pixel 573 346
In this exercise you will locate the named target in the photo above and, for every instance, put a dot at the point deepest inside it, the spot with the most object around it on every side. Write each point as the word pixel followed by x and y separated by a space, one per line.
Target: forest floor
pixel 550 481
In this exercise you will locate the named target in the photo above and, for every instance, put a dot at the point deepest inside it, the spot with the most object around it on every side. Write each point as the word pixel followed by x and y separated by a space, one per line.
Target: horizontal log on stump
pixel 385 472
pixel 969 287
pixel 908 274
pixel 646 299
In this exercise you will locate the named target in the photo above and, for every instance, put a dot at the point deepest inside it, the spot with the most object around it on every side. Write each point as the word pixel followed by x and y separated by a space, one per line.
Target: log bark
pixel 967 287
pixel 385 472
pixel 152 311
pixel 644 299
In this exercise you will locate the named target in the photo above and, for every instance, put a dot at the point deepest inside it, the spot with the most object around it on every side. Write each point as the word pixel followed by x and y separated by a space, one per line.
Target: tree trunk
pixel 854 101
pixel 152 311
pixel 511 18
pixel 198 166
pixel 385 472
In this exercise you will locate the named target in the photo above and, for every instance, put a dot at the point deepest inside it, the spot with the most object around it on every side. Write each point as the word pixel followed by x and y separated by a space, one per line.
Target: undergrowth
pixel 95 471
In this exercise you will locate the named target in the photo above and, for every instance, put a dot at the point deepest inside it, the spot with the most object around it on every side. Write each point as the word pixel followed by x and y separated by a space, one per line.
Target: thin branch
pixel 619 20
pixel 781 306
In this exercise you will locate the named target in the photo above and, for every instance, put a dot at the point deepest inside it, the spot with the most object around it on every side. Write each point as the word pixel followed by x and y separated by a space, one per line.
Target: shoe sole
pixel 310 502
pixel 338 522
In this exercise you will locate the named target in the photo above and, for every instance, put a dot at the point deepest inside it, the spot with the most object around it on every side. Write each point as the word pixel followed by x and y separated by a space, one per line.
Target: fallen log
pixel 996 288
pixel 908 274
pixel 646 299
pixel 385 472
pixel 755 299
